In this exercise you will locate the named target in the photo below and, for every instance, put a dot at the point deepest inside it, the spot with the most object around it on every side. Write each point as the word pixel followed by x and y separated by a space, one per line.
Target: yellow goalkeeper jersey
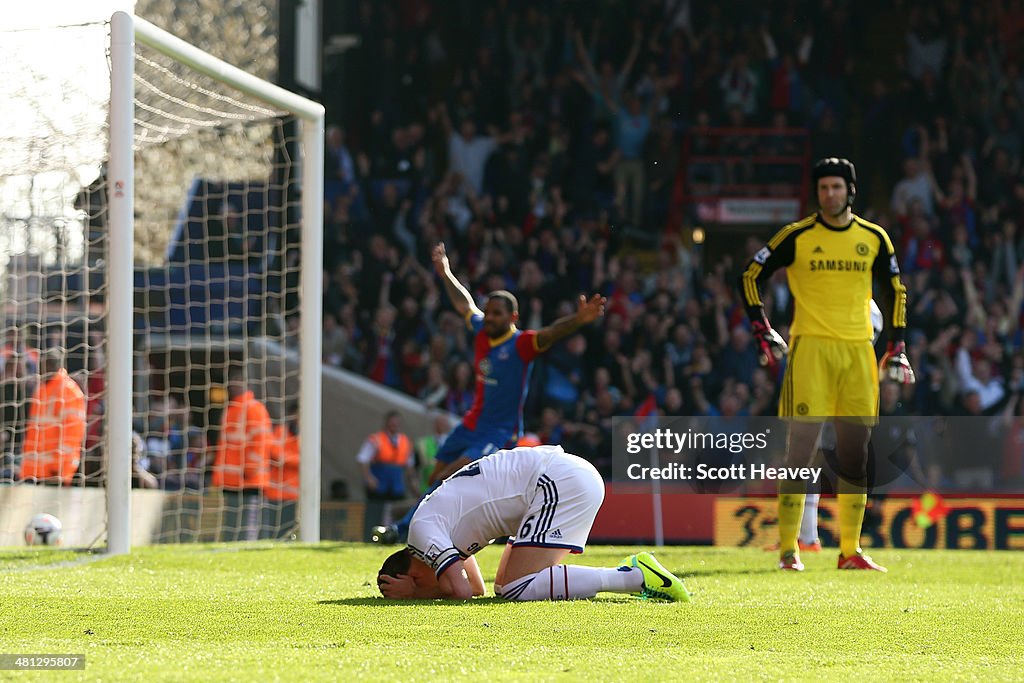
pixel 830 273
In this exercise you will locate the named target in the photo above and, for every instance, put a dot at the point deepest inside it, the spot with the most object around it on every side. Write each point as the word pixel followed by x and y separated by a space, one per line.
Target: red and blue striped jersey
pixel 502 367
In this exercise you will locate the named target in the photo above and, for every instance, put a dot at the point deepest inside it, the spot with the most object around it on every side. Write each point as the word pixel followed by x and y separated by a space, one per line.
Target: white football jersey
pixel 877 321
pixel 484 500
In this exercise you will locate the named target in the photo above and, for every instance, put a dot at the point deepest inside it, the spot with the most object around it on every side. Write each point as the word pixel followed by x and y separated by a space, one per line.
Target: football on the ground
pixel 43 529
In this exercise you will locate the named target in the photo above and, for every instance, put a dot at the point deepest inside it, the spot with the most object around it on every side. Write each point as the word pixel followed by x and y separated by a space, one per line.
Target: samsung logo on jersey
pixel 839 265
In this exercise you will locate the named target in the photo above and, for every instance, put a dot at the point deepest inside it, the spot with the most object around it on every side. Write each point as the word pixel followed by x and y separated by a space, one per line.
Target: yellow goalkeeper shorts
pixel 830 378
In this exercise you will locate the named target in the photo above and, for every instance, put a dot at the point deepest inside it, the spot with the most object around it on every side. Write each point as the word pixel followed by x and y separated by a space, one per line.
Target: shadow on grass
pixel 284 544
pixel 275 545
pixel 475 602
pixel 338 546
pixel 31 560
pixel 698 573
pixel 384 602
pixel 29 554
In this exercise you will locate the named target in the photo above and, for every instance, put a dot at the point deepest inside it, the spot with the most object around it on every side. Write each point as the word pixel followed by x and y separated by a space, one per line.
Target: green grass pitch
pixel 312 613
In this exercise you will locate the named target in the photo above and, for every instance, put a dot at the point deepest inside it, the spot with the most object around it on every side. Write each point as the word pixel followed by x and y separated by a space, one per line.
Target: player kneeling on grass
pixel 544 497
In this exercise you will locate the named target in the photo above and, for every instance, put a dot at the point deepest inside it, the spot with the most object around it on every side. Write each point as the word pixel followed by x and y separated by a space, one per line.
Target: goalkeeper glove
pixel 771 347
pixel 895 366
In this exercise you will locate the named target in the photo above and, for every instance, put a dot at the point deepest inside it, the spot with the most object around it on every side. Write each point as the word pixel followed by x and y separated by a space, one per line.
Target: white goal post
pixel 126 30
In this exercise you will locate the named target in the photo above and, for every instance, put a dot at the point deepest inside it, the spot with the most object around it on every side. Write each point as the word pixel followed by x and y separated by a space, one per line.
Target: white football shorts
pixel 564 506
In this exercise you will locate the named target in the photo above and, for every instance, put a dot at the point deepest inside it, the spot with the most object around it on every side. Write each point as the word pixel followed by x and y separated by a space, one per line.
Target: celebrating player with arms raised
pixel 503 359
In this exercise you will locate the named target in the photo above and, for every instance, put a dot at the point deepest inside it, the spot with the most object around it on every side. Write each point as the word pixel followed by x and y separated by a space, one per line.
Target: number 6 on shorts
pixel 527 527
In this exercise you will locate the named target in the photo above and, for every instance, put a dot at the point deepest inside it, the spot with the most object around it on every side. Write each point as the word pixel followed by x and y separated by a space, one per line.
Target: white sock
pixel 570 582
pixel 809 524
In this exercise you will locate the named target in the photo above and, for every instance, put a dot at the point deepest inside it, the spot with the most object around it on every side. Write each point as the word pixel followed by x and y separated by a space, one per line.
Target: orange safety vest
pixel 55 431
pixel 284 466
pixel 389 453
pixel 242 458
pixel 529 439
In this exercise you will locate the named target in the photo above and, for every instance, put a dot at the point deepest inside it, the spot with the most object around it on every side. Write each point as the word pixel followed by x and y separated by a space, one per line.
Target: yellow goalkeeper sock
pixel 851 519
pixel 791 513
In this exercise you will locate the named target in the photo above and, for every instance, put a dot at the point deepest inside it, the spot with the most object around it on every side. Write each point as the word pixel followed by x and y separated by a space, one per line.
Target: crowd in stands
pixel 540 142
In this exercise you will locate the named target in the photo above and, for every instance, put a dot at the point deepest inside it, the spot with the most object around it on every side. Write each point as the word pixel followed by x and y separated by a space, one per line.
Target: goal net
pixel 160 220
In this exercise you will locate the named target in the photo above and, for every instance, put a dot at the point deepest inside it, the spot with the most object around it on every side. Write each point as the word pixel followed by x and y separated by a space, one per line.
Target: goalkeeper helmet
pixel 843 168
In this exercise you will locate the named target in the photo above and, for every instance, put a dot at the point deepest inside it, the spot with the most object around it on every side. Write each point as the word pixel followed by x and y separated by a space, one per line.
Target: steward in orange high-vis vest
pixel 279 514
pixel 241 465
pixel 242 460
pixel 387 461
pixel 56 425
pixel 284 465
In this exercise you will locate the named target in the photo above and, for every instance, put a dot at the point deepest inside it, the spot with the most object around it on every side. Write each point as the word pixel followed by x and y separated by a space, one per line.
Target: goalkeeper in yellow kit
pixel 831 258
